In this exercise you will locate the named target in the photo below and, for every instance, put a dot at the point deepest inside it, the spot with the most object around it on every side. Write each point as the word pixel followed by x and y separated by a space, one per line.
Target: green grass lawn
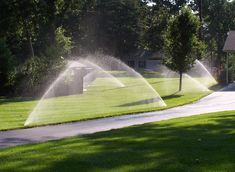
pixel 197 144
pixel 100 100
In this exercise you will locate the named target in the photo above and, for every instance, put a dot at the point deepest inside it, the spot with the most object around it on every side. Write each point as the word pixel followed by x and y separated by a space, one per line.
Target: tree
pixel 219 19
pixel 111 26
pixel 173 5
pixel 18 25
pixel 6 64
pixel 156 20
pixel 181 42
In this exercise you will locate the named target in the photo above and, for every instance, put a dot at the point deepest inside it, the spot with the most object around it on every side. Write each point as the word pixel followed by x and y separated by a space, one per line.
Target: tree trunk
pixel 28 37
pixel 30 46
pixel 52 39
pixel 51 23
pixel 180 81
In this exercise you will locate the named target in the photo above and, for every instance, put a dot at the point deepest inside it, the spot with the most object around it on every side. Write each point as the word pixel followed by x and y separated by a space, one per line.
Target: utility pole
pixel 227 77
pixel 200 17
pixel 201 25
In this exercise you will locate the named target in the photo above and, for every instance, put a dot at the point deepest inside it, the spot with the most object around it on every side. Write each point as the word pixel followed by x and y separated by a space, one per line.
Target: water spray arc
pixel 105 88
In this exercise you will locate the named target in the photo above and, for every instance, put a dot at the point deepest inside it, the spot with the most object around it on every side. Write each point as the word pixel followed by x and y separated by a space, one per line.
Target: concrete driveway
pixel 222 100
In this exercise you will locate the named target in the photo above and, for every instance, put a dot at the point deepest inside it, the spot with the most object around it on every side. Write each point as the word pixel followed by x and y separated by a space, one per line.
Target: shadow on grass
pixel 176 145
pixel 5 100
pixel 141 102
pixel 152 100
pixel 216 87
pixel 175 95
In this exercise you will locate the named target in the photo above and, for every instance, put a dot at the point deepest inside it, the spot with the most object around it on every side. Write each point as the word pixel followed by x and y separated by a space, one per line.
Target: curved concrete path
pixel 222 100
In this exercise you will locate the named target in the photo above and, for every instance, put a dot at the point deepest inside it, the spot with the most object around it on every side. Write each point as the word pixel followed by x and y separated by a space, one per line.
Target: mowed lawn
pixel 102 99
pixel 198 143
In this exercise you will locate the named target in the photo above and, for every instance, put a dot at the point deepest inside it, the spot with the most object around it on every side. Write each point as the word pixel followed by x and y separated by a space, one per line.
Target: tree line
pixel 37 36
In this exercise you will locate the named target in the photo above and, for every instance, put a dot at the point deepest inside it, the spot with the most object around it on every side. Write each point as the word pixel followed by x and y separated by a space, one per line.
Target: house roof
pixel 229 45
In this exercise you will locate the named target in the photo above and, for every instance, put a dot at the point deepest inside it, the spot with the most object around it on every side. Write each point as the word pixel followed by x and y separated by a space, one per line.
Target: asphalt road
pixel 222 100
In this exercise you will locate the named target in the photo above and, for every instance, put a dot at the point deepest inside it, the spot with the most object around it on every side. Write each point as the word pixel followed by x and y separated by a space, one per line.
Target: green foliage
pixel 111 26
pixel 63 42
pixel 173 6
pixel 61 47
pixel 6 64
pixel 155 25
pixel 6 57
pixel 219 19
pixel 31 78
pixel 181 43
pixel 51 29
pixel 35 72
pixel 33 69
pixel 24 79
